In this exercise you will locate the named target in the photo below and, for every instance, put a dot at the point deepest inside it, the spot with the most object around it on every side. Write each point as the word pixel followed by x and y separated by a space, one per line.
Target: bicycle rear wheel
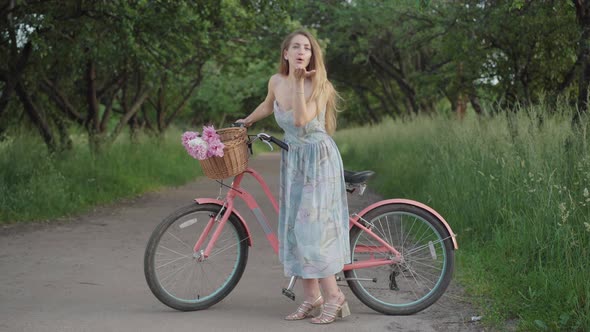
pixel 178 276
pixel 425 272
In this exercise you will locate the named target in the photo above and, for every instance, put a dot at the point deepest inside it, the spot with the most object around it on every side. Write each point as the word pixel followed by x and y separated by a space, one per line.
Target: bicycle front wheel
pixel 180 277
pixel 420 278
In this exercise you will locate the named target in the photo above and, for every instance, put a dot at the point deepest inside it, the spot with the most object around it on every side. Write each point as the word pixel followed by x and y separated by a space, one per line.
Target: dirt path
pixel 86 274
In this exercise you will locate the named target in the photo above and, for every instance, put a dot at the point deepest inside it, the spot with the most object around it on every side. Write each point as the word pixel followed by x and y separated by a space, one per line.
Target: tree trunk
pixel 133 128
pixel 461 106
pixel 35 115
pixel 584 79
pixel 141 98
pixel 65 142
pixel 365 102
pixel 5 96
pixel 474 100
pixel 92 100
pixel 92 120
pixel 183 101
pixel 107 112
pixel 161 108
pixel 61 100
pixel 398 76
pixel 146 119
pixel 583 16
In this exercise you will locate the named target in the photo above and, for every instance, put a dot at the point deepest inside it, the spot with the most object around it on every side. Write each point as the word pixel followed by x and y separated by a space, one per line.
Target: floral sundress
pixel 313 210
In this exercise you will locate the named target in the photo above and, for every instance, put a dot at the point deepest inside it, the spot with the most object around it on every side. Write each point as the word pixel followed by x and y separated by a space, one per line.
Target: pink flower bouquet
pixel 207 145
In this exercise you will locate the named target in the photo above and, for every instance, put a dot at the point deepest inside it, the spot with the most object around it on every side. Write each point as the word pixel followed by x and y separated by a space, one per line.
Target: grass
pixel 514 189
pixel 37 186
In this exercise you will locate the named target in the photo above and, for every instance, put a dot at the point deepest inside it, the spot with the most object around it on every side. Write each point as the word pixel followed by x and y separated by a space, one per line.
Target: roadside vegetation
pixel 94 96
pixel 515 190
pixel 36 185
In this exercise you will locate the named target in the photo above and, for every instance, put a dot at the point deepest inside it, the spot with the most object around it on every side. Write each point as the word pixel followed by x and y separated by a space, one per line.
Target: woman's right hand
pixel 243 122
pixel 300 73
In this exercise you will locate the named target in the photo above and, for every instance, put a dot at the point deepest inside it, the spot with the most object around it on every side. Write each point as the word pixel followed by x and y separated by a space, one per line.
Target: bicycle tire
pixel 427 247
pixel 204 297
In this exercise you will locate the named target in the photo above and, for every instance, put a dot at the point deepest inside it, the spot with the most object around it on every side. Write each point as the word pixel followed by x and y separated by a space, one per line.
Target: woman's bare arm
pixel 304 111
pixel 265 108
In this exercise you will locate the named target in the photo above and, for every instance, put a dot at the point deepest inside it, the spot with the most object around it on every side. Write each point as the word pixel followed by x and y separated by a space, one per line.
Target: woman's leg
pixel 334 302
pixel 311 289
pixel 312 300
pixel 331 290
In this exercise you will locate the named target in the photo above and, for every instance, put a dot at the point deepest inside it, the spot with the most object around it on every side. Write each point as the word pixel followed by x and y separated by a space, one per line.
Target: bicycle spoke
pixel 379 231
pixel 413 292
pixel 205 278
pixel 188 282
pixel 176 252
pixel 419 275
pixel 177 259
pixel 431 274
pixel 409 232
pixel 179 240
pixel 373 243
pixel 181 280
pixel 426 265
pixel 426 245
pixel 224 249
pixel 425 232
pixel 389 230
pixel 175 272
pixel 402 288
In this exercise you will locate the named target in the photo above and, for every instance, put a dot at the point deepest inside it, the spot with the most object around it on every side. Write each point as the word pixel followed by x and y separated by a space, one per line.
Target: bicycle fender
pixel 412 203
pixel 234 211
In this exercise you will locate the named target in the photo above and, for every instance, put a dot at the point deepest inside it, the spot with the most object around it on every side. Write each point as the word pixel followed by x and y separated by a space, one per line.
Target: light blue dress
pixel 313 211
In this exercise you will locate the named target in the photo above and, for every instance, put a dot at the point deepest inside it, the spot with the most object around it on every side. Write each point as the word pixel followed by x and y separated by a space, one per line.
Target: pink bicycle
pixel 402 251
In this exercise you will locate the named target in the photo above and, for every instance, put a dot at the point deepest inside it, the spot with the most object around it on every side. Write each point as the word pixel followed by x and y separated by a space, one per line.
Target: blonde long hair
pixel 323 90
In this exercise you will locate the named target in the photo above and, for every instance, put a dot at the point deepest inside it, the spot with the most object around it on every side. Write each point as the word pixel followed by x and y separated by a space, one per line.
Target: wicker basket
pixel 235 155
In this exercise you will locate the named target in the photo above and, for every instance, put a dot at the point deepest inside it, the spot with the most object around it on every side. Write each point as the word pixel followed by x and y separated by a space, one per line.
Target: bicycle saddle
pixel 357 177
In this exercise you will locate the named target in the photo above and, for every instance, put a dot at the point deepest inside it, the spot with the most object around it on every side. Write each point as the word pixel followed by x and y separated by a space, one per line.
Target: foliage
pixel 131 63
pixel 401 58
pixel 82 72
pixel 104 65
pixel 519 204
pixel 47 186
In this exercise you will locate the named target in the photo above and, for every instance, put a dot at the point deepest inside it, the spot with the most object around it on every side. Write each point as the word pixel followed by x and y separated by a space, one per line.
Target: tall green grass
pixel 516 191
pixel 37 186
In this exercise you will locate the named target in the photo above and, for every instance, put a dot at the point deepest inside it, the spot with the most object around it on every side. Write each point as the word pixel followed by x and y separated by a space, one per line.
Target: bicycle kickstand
pixel 288 292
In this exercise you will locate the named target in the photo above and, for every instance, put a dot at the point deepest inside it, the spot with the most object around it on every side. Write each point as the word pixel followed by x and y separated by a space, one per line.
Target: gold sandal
pixel 306 309
pixel 330 311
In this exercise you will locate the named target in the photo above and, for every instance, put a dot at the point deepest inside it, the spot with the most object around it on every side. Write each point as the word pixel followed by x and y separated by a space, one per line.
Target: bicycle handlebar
pixel 280 143
pixel 265 137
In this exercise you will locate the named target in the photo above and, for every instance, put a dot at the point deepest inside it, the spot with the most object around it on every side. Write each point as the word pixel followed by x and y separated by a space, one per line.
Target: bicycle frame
pixel 395 257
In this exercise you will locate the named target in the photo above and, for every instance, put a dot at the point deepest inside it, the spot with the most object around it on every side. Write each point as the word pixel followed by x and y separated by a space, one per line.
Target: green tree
pixel 106 65
pixel 404 57
pixel 236 80
pixel 582 64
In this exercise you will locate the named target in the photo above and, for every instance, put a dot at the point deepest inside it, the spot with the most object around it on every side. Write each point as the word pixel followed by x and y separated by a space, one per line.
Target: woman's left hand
pixel 302 73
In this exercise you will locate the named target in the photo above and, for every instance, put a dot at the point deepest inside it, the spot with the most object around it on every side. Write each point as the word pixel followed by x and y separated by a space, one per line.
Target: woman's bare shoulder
pixel 274 82
pixel 276 79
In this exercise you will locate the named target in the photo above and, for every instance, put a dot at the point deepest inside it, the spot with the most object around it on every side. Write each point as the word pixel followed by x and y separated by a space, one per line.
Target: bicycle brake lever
pixel 265 137
pixel 269 145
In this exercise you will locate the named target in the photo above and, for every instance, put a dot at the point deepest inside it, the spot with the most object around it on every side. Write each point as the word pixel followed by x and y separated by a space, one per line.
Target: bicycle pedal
pixel 289 293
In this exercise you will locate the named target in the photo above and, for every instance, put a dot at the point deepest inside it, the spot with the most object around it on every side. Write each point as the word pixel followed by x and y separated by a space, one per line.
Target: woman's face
pixel 298 53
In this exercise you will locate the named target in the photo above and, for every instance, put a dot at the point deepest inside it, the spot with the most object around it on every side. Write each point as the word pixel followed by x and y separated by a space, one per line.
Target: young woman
pixel 313 212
